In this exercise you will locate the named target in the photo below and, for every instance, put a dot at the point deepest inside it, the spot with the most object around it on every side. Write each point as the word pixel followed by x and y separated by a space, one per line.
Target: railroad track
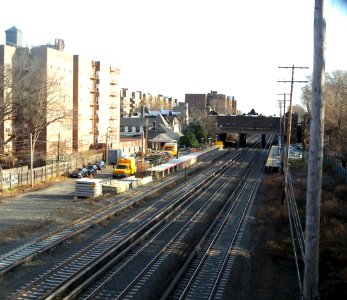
pixel 113 285
pixel 210 264
pixel 55 281
pixel 27 252
pixel 79 273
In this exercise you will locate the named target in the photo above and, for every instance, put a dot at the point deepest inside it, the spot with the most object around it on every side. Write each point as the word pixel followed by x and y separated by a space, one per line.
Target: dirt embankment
pixel 275 243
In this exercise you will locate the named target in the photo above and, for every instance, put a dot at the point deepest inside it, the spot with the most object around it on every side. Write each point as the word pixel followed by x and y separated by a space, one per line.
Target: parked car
pixel 92 169
pixel 79 173
pixel 100 164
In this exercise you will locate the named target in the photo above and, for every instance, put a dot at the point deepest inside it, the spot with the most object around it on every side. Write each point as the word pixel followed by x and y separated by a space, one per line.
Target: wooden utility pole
pixel 314 178
pixel 289 125
pixel 31 160
pixel 284 113
pixel 280 106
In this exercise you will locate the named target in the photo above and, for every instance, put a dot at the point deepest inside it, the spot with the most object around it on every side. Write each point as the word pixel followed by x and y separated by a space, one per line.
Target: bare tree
pixel 336 111
pixel 300 111
pixel 306 95
pixel 10 80
pixel 42 103
pixel 335 124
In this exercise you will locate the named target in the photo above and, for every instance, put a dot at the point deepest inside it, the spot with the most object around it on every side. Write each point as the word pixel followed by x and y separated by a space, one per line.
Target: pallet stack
pixel 90 188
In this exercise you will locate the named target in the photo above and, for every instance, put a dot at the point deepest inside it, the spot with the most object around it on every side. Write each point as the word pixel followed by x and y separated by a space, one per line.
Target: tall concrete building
pixel 84 77
pixel 6 124
pixel 84 91
pixel 106 130
pixel 199 104
pixel 51 72
pixel 131 101
pixel 96 104
pixel 14 37
pixel 196 104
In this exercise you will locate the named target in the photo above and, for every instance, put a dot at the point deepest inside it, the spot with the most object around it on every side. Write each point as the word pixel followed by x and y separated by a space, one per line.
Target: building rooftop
pixel 13 29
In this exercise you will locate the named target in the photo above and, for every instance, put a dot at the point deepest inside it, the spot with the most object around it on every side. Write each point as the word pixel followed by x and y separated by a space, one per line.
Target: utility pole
pixel 31 160
pixel 284 112
pixel 58 145
pixel 280 106
pixel 282 143
pixel 289 125
pixel 146 136
pixel 314 178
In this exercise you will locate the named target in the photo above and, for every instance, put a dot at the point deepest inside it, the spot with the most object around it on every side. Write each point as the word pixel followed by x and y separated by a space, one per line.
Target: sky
pixel 179 47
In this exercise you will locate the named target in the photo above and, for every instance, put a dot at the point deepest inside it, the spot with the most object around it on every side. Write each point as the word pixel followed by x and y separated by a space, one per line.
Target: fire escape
pixel 114 106
pixel 95 100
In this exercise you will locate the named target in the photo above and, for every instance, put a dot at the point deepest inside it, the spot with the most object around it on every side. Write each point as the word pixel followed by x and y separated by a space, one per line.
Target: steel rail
pixel 205 245
pixel 190 202
pixel 70 275
pixel 100 285
pixel 24 253
pixel 249 200
pixel 172 243
pixel 207 248
pixel 148 266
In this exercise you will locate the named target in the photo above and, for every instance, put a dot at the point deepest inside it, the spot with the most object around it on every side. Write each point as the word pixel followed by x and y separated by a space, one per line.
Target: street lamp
pixel 202 142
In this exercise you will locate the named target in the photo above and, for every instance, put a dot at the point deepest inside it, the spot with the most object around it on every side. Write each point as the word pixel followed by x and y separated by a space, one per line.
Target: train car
pixel 232 140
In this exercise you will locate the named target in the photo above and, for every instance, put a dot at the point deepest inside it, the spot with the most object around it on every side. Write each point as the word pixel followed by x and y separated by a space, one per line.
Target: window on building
pixel 130 129
pixel 122 129
pixel 137 129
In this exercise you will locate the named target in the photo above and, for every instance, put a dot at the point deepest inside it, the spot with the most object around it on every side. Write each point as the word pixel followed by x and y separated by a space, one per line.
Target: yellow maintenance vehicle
pixel 170 148
pixel 125 168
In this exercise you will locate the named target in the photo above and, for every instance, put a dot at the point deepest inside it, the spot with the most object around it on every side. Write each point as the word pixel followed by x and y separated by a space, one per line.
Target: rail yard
pixel 172 239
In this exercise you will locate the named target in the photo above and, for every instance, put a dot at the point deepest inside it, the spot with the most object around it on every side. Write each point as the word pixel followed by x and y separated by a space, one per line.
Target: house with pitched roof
pixel 154 128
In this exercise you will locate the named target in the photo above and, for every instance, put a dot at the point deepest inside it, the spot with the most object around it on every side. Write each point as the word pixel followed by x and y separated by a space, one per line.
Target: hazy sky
pixel 189 46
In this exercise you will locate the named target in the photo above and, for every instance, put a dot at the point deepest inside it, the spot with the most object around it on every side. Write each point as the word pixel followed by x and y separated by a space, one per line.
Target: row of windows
pixel 58 69
pixel 129 129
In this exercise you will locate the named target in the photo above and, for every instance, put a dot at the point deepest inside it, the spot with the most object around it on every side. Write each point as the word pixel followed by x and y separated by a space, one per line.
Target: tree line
pixel 335 119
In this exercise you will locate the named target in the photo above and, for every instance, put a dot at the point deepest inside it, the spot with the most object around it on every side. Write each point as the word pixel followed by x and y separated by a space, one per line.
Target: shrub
pixel 340 191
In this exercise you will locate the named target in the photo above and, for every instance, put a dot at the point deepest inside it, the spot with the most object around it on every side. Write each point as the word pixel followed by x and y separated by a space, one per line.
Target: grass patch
pixel 340 191
pixel 21 230
pixel 333 231
pixel 297 164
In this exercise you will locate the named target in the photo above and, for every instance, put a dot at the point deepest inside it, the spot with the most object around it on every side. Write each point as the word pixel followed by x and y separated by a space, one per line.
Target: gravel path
pixel 30 214
pixel 26 215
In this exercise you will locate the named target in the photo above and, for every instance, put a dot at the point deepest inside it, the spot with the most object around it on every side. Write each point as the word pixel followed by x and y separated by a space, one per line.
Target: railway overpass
pixel 241 126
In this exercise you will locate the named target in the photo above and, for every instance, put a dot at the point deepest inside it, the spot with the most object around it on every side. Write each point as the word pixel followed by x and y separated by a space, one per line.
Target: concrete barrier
pixel 114 187
pixel 122 185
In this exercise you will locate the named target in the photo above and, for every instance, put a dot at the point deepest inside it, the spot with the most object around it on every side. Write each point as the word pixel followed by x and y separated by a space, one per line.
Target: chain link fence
pixel 16 177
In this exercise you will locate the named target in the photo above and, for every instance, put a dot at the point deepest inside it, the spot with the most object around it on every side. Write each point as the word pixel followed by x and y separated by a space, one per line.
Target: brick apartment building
pixel 199 104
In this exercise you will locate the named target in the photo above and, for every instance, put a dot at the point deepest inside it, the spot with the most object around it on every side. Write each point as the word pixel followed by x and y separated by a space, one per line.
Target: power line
pixel 289 127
